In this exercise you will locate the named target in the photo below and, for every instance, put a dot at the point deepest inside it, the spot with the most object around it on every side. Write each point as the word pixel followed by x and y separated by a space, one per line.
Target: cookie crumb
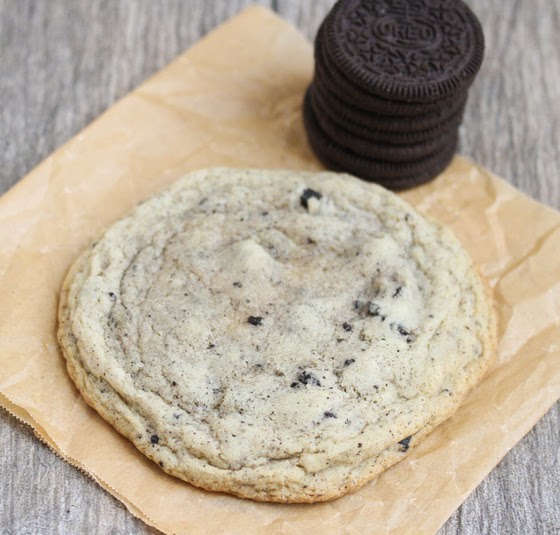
pixel 154 439
pixel 402 330
pixel 405 443
pixel 374 310
pixel 255 320
pixel 347 327
pixel 308 378
pixel 309 194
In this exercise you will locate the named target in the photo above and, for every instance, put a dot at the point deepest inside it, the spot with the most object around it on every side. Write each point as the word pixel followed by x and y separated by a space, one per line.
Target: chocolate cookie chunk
pixel 421 51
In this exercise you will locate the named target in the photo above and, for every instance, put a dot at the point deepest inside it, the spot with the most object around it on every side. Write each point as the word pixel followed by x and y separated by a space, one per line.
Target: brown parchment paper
pixel 234 99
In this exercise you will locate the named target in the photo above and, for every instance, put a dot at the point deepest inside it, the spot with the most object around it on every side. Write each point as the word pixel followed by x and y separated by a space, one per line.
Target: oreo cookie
pixel 327 75
pixel 334 123
pixel 390 174
pixel 395 184
pixel 365 146
pixel 386 123
pixel 419 51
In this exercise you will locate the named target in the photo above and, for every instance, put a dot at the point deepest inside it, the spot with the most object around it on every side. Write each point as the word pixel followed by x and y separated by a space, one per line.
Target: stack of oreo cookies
pixel 390 87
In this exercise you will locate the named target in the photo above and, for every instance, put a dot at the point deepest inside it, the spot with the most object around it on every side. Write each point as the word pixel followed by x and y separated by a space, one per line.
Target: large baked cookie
pixel 278 335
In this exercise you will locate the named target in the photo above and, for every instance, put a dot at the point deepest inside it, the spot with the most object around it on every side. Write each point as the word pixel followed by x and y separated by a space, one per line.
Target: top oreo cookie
pixel 418 50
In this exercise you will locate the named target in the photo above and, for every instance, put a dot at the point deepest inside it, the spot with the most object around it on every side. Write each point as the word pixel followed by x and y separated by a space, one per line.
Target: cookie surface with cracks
pixel 278 335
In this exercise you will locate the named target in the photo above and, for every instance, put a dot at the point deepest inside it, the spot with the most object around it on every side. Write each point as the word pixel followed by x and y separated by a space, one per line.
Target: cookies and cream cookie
pixel 278 335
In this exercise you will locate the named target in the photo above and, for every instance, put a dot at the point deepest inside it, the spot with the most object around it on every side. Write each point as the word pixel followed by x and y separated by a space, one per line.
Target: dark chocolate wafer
pixel 387 123
pixel 377 170
pixel 331 122
pixel 327 75
pixel 379 149
pixel 419 51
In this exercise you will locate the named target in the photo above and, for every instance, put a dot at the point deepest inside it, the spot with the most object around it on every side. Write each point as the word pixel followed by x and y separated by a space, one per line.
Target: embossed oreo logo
pixel 407 33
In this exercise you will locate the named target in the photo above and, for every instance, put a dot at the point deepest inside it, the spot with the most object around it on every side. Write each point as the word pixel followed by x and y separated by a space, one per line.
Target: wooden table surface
pixel 63 62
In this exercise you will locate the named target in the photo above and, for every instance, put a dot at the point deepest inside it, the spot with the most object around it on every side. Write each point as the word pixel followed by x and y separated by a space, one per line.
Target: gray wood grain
pixel 62 63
